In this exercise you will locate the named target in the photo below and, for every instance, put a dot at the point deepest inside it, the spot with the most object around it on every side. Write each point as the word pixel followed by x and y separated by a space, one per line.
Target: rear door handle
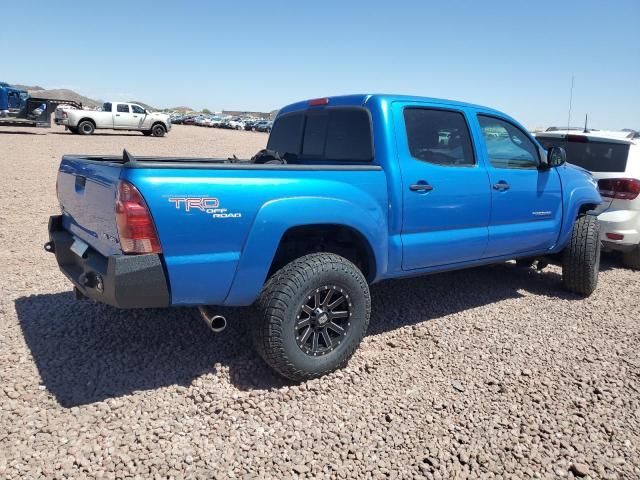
pixel 501 186
pixel 421 187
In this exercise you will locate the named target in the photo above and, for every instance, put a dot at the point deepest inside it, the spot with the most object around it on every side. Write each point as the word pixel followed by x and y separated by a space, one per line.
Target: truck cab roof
pixel 363 99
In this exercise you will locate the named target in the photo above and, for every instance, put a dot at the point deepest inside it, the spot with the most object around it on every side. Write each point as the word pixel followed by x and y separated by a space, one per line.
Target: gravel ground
pixel 487 373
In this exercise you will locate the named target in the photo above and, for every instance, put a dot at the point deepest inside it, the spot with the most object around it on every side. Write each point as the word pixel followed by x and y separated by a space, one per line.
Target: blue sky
pixel 259 55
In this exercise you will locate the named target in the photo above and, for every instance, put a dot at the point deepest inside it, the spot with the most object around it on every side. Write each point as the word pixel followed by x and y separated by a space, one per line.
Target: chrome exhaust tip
pixel 216 323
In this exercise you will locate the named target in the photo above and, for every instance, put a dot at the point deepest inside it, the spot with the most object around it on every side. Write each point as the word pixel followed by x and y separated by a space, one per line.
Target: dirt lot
pixel 489 373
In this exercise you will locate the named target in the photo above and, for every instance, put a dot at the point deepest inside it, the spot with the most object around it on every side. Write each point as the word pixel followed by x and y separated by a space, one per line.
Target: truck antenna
pixel 570 104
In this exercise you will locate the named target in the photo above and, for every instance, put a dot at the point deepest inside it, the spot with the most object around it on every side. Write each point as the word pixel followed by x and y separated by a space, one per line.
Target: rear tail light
pixel 615 236
pixel 619 188
pixel 135 225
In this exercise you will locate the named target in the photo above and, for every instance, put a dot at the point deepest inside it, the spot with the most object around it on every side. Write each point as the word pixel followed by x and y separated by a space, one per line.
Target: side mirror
pixel 556 156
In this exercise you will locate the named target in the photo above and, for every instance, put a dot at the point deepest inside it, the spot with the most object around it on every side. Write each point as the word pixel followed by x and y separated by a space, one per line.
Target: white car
pixel 236 125
pixel 115 116
pixel 614 160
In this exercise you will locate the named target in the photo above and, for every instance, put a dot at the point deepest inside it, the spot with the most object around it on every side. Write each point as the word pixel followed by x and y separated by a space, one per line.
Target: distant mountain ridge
pixel 70 95
pixel 60 94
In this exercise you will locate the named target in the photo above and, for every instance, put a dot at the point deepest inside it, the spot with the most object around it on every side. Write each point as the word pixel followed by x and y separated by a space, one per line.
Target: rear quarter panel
pixel 207 257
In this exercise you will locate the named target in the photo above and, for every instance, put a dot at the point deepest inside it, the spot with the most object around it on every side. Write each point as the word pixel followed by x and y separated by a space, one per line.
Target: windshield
pixel 595 155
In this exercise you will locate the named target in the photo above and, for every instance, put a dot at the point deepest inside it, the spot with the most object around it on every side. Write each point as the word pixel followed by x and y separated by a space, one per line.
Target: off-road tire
pixel 86 127
pixel 581 257
pixel 158 130
pixel 632 259
pixel 274 332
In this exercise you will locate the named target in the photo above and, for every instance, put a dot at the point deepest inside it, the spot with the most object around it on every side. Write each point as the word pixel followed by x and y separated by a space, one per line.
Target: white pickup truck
pixel 114 116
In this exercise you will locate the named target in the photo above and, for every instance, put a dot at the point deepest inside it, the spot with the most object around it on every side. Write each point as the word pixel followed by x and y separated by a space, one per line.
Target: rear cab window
pixel 326 135
pixel 593 154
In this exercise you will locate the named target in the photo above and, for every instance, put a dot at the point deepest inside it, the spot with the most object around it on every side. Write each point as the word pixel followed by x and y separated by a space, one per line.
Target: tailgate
pixel 87 192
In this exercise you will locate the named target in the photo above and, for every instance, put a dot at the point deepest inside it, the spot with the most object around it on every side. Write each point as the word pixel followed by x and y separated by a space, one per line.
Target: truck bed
pixel 212 215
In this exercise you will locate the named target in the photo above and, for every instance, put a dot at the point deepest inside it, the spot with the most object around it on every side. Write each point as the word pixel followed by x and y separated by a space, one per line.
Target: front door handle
pixel 117 114
pixel 421 187
pixel 501 186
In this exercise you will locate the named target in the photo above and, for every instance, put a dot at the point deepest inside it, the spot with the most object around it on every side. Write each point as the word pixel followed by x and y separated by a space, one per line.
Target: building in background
pixel 235 113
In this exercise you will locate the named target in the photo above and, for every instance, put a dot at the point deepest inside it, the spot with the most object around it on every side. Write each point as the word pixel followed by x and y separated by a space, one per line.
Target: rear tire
pixel 314 313
pixel 632 259
pixel 581 257
pixel 158 130
pixel 86 127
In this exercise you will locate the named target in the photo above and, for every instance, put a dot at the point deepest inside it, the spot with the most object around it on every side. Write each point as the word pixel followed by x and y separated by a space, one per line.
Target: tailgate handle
pixel 80 183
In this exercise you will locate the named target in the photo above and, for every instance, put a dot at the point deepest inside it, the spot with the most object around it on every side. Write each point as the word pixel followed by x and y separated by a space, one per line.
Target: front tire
pixel 632 259
pixel 86 127
pixel 313 314
pixel 158 130
pixel 581 257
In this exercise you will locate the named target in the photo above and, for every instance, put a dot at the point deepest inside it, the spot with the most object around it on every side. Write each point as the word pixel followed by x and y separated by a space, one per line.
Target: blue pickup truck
pixel 350 191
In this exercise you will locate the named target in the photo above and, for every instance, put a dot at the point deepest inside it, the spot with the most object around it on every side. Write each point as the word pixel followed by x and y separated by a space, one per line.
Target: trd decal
pixel 201 203
pixel 208 205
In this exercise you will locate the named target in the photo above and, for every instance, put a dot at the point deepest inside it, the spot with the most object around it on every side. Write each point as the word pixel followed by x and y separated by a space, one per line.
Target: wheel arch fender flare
pixel 578 200
pixel 276 217
pixel 86 119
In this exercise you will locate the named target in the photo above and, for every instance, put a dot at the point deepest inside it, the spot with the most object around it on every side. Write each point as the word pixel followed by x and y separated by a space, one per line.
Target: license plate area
pixel 79 247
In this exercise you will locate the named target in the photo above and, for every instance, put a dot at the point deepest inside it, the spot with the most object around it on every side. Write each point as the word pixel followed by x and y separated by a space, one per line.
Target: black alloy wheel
pixel 323 321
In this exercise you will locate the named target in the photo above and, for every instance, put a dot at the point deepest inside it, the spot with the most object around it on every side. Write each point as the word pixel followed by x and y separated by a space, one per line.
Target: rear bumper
pixel 123 281
pixel 620 222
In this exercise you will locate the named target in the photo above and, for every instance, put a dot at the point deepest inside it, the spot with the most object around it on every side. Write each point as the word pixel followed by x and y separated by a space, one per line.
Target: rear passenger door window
pixel 440 137
pixel 507 145
pixel 123 108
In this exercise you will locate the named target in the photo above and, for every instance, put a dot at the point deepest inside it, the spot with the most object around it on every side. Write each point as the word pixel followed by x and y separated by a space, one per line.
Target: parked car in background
pixel 263 126
pixel 188 120
pixel 114 116
pixel 235 124
pixel 305 227
pixel 614 160
pixel 250 123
